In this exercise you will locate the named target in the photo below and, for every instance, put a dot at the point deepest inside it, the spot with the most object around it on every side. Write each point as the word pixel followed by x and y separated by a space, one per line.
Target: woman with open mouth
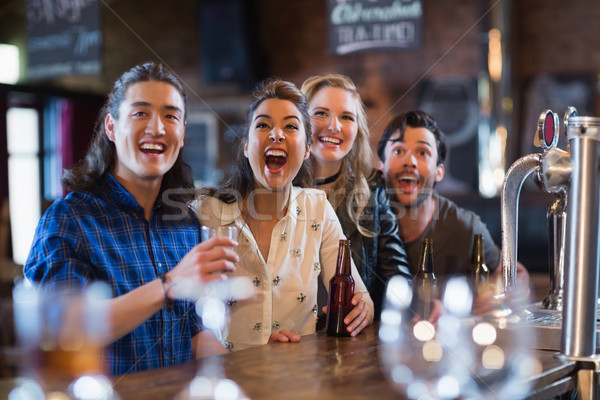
pixel 342 164
pixel 289 235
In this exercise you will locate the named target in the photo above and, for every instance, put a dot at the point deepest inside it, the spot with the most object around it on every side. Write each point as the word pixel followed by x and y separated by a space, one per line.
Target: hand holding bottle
pixel 359 317
pixel 347 312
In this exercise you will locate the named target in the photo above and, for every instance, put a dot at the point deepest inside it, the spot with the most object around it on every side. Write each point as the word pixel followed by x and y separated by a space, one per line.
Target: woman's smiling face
pixel 276 145
pixel 333 113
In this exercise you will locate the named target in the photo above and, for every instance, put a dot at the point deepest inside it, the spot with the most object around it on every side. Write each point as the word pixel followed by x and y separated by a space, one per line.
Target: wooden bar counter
pixel 318 367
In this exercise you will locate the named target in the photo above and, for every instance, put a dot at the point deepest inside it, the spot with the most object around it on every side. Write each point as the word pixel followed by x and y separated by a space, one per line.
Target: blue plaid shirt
pixel 102 234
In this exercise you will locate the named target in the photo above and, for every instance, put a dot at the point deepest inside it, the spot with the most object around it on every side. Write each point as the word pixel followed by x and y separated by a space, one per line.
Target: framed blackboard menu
pixel 367 25
pixel 63 38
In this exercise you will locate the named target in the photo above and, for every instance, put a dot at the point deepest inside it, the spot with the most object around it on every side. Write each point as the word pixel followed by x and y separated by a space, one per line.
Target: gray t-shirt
pixel 452 230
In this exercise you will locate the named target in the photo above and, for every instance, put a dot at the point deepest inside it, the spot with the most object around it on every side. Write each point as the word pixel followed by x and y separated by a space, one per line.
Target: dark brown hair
pixel 414 119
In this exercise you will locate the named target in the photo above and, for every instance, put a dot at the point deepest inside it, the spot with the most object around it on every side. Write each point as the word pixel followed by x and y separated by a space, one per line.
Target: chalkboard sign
pixel 63 38
pixel 366 25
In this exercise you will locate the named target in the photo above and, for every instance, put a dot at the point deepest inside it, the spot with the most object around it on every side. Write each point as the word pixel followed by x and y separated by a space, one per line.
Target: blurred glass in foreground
pixel 459 355
pixel 62 332
pixel 211 298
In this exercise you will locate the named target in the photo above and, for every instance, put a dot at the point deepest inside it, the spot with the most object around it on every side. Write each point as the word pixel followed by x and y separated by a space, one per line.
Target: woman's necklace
pixel 325 181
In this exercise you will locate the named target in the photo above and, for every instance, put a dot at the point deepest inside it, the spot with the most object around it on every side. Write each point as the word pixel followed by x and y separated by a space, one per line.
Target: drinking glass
pixel 208 232
pixel 196 290
pixel 62 332
pixel 457 356
pixel 210 381
pixel 501 342
pixel 422 359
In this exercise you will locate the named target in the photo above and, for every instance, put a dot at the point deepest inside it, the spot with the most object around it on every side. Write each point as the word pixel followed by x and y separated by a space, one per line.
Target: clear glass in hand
pixel 210 381
pixel 209 232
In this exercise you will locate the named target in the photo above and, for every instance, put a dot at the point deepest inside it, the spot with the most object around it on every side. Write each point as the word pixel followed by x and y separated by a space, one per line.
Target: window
pixel 9 67
pixel 23 178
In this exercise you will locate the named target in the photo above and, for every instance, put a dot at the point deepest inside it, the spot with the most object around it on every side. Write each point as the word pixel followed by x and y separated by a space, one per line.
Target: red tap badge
pixel 547 130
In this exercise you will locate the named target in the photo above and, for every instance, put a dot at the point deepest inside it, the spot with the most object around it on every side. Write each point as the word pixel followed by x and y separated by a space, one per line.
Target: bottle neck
pixel 426 260
pixel 478 256
pixel 343 262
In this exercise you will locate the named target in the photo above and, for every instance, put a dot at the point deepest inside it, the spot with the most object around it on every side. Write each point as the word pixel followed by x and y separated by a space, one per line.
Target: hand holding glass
pixel 228 231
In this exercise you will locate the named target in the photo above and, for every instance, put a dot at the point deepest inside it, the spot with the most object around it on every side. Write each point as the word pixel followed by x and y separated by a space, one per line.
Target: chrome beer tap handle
pixel 554 177
pixel 549 169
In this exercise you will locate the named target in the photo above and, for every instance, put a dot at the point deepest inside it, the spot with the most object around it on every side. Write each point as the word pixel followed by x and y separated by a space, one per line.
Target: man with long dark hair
pixel 126 223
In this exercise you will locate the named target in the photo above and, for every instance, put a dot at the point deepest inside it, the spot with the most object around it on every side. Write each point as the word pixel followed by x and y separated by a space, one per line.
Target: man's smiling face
pixel 411 167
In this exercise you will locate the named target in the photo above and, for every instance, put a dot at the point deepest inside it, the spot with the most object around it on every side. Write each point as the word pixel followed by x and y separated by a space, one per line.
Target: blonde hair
pixel 352 185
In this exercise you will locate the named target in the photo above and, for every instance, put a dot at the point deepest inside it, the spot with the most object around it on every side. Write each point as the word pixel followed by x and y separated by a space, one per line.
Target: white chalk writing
pixel 49 11
pixel 345 13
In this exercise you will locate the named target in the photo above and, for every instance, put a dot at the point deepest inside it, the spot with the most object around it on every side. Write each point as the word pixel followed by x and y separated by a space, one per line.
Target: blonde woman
pixel 341 160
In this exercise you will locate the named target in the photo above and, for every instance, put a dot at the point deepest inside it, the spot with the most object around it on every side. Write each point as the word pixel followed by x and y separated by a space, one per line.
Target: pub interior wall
pixel 288 39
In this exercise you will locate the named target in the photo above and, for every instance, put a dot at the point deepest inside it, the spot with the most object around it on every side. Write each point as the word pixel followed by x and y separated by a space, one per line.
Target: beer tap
pixel 556 215
pixel 574 176
pixel 551 168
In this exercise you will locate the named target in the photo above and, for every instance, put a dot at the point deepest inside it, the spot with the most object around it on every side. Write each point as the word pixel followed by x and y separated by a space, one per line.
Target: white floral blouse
pixel 304 247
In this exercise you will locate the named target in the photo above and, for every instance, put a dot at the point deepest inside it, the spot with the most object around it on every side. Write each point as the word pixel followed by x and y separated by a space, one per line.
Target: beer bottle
pixel 478 271
pixel 424 282
pixel 341 290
